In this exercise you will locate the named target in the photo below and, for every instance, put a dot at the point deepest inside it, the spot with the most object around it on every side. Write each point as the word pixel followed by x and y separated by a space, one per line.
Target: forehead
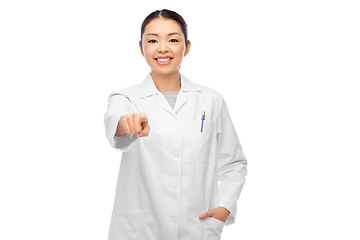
pixel 162 26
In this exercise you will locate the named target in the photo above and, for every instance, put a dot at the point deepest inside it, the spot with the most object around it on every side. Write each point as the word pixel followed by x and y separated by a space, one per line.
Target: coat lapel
pixel 180 101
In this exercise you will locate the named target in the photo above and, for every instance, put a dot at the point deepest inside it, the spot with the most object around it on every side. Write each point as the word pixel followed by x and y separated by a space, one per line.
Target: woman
pixel 178 141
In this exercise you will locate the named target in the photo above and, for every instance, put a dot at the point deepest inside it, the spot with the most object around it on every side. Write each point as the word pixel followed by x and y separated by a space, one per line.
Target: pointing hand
pixel 135 123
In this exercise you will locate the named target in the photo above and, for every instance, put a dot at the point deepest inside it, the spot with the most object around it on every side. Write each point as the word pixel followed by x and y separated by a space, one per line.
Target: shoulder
pixel 213 98
pixel 211 92
pixel 205 91
pixel 207 98
pixel 130 92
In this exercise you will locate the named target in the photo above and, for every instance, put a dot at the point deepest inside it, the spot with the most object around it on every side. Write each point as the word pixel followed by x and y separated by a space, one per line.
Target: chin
pixel 163 71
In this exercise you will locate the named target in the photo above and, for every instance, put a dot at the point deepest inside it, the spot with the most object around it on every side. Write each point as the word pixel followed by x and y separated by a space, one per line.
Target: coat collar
pixel 148 87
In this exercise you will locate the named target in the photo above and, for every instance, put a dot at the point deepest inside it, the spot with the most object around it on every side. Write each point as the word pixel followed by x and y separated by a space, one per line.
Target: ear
pixel 141 49
pixel 187 48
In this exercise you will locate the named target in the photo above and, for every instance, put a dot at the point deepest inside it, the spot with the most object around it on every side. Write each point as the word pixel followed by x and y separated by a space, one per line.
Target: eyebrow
pixel 173 33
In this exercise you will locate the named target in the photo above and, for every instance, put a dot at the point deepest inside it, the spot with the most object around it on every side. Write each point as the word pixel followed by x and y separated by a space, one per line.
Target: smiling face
pixel 163 45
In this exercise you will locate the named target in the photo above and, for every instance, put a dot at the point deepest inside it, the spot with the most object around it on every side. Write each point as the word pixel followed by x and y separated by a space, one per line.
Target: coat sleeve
pixel 118 105
pixel 231 164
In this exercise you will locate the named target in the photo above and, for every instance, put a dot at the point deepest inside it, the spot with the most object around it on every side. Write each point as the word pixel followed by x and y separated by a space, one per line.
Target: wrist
pixel 226 209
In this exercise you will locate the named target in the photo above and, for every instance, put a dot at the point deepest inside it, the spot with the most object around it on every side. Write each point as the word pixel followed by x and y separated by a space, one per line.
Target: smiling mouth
pixel 163 59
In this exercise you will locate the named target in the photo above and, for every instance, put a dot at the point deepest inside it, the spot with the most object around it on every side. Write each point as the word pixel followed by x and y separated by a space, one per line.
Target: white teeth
pixel 163 59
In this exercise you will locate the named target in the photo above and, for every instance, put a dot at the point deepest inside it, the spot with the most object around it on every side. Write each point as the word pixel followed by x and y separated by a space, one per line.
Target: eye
pixel 152 40
pixel 174 39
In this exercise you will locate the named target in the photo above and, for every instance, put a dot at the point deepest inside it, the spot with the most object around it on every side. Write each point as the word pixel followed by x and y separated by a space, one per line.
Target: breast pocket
pixel 203 142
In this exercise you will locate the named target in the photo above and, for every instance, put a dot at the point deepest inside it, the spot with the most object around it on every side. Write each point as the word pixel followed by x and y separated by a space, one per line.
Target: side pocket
pixel 213 228
pixel 125 225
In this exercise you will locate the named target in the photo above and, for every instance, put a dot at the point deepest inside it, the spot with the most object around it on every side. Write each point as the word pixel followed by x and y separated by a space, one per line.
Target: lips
pixel 159 57
pixel 163 60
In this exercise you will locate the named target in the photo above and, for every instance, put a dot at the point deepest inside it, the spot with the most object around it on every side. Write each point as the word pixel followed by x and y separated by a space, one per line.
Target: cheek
pixel 148 56
pixel 179 51
pixel 148 51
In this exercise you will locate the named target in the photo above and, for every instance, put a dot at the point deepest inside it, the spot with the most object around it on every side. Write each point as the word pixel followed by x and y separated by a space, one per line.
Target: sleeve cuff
pixel 232 209
pixel 124 143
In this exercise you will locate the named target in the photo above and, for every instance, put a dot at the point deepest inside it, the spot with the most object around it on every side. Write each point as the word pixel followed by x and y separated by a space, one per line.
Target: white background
pixel 289 71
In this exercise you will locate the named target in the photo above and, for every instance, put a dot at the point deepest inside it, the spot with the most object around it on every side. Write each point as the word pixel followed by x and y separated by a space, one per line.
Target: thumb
pixel 145 126
pixel 206 214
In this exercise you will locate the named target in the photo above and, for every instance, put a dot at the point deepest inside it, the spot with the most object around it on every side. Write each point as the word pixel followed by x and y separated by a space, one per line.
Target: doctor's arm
pixel 231 164
pixel 121 124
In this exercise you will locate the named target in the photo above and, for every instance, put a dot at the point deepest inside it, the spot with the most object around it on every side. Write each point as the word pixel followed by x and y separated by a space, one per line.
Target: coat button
pixel 174 220
pixel 175 187
pixel 176 155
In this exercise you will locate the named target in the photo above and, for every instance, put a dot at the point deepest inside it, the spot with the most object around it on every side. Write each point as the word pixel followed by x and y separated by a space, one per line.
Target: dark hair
pixel 165 13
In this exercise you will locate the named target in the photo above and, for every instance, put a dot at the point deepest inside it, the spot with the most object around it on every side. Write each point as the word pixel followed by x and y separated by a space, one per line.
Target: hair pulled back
pixel 165 13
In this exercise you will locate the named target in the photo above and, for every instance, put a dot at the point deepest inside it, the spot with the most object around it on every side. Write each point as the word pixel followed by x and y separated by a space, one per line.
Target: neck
pixel 167 82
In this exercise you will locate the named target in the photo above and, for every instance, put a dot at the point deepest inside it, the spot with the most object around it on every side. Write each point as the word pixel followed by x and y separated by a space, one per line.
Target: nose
pixel 163 46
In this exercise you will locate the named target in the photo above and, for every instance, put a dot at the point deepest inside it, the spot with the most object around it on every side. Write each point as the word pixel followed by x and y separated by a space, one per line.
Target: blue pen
pixel 202 120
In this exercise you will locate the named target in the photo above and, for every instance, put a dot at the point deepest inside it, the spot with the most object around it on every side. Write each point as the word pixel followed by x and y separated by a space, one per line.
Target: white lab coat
pixel 167 179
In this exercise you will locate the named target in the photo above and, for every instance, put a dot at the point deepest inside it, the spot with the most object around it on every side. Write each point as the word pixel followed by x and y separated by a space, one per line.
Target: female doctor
pixel 177 142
